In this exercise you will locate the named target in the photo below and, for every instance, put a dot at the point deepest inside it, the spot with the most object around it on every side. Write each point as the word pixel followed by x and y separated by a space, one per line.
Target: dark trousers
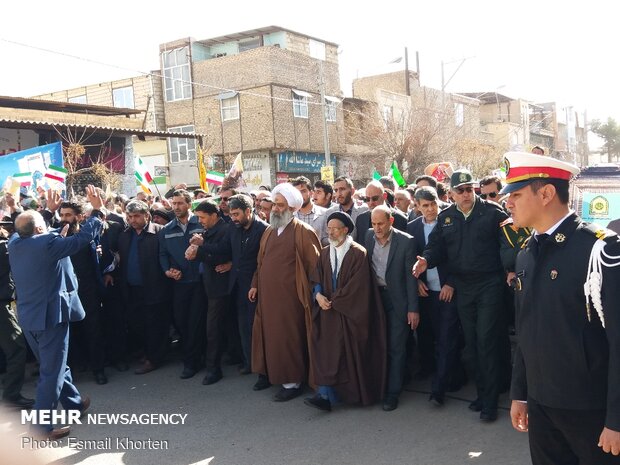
pixel 115 324
pixel 149 323
pixel 425 334
pixel 87 335
pixel 245 318
pixel 13 344
pixel 566 437
pixel 397 334
pixel 189 308
pixel 217 309
pixel 55 382
pixel 480 307
pixel 445 324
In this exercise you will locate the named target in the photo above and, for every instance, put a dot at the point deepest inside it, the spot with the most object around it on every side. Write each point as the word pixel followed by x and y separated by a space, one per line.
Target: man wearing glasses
pixel 375 196
pixel 490 187
pixel 467 240
pixel 225 195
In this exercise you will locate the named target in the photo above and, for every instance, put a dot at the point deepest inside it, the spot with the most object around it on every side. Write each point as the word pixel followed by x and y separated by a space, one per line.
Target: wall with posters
pixel 14 140
pixel 256 170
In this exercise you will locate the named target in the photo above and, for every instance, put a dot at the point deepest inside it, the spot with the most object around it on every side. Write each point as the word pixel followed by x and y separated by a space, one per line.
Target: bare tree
pixel 83 164
pixel 416 133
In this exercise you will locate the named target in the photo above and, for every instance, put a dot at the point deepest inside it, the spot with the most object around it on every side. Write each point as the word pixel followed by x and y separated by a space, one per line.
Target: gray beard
pixel 277 220
pixel 334 243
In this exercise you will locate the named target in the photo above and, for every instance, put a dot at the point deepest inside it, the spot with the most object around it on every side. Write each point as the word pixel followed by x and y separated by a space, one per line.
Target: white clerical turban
pixel 290 193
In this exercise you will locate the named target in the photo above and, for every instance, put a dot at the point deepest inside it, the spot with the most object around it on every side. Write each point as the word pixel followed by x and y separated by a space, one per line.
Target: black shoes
pixel 261 383
pixel 390 403
pixel 319 402
pixel 121 366
pixel 20 402
pixel 284 395
pixel 488 414
pixel 100 377
pixel 212 378
pixel 475 406
pixel 436 399
pixel 188 372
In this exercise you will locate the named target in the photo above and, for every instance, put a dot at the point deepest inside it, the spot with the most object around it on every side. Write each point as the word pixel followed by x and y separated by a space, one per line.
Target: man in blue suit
pixel 46 306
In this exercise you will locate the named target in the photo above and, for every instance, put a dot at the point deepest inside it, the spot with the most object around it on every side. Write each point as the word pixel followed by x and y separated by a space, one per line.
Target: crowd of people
pixel 351 292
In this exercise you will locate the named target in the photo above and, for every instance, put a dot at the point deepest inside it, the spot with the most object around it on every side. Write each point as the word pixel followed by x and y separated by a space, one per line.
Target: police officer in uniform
pixel 566 374
pixel 466 240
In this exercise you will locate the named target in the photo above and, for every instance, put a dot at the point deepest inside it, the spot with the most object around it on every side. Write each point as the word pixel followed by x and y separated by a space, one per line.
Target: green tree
pixel 610 133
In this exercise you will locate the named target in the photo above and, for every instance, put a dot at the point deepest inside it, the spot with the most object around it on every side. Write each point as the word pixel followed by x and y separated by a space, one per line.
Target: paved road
pixel 228 423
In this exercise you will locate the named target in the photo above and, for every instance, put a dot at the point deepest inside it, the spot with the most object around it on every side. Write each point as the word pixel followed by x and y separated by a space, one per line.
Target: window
pixel 123 97
pixel 78 99
pixel 229 105
pixel 182 149
pixel 459 115
pixel 177 78
pixel 249 44
pixel 331 103
pixel 300 103
pixel 317 49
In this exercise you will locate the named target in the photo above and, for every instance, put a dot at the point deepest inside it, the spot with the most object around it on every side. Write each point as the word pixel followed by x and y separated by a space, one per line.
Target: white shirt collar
pixel 552 229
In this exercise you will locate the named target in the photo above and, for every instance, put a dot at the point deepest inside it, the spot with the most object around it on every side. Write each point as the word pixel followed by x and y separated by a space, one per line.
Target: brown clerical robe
pixel 349 339
pixel 282 322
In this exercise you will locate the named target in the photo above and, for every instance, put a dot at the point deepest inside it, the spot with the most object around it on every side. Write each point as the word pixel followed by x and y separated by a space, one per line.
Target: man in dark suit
pixel 215 275
pixel 46 306
pixel 145 288
pixel 375 196
pixel 391 254
pixel 242 243
pixel 438 332
pixel 567 362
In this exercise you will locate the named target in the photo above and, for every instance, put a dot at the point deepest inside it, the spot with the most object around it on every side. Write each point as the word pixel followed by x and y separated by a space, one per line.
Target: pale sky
pixel 535 50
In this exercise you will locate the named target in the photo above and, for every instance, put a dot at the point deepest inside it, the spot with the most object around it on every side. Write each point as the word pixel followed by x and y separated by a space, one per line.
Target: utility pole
pixel 323 109
pixel 407 89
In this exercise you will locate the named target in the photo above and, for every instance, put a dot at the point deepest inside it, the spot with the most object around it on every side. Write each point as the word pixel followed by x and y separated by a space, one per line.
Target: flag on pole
pixel 375 175
pixel 215 177
pixel 202 171
pixel 142 175
pixel 396 175
pixel 24 179
pixel 234 178
pixel 56 173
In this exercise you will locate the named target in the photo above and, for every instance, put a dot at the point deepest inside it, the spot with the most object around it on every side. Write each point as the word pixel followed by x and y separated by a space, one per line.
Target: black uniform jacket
pixel 216 284
pixel 563 360
pixel 468 246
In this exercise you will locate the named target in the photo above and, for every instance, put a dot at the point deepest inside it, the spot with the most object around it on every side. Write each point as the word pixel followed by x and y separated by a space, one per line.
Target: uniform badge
pixel 553 274
pixel 447 220
pixel 559 237
pixel 463 177
pixel 518 285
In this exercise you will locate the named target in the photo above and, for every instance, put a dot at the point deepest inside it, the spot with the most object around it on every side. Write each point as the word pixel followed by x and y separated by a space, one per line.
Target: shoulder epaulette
pixel 601 233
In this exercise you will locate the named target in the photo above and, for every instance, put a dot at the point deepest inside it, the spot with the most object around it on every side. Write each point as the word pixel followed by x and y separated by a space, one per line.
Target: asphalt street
pixel 229 424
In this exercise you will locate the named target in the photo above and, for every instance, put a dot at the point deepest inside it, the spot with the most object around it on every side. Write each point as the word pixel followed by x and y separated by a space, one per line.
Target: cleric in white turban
pixel 290 193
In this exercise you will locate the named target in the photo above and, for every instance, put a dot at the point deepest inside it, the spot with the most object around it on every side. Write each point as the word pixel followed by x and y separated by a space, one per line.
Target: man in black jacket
pixel 567 363
pixel 467 240
pixel 242 244
pixel 375 196
pixel 12 341
pixel 215 276
pixel 146 289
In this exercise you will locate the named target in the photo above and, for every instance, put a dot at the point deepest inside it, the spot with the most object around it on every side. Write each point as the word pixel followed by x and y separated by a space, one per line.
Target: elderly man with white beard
pixel 289 252
pixel 348 344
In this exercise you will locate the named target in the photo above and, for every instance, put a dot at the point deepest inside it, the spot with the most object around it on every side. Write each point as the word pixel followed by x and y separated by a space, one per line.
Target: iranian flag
pixel 24 179
pixel 142 175
pixel 56 173
pixel 215 177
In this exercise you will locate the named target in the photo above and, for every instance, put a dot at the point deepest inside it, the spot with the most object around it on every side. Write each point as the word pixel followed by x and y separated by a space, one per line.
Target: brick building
pixel 257 92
